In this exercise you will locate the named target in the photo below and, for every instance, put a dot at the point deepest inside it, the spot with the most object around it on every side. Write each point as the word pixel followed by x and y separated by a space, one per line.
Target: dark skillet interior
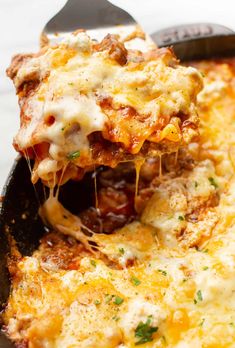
pixel 19 211
pixel 19 218
pixel 20 205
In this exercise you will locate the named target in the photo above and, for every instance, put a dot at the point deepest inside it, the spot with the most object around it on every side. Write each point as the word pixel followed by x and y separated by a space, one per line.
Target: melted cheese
pixel 173 202
pixel 181 272
pixel 145 94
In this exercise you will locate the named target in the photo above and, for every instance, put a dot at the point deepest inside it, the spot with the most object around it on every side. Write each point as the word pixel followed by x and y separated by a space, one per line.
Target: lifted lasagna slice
pixel 85 104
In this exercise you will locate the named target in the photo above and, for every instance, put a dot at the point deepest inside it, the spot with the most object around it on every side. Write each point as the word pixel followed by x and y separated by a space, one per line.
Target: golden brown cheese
pixel 167 281
pixel 85 104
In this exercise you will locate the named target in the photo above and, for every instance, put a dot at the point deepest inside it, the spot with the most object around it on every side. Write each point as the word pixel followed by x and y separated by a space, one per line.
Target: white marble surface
pixel 21 22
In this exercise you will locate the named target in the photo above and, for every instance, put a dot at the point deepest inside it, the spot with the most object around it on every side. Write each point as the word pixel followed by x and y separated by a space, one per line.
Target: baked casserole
pixel 152 261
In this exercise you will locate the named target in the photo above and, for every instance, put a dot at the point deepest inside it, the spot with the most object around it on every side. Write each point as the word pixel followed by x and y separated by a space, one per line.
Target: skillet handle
pixel 180 33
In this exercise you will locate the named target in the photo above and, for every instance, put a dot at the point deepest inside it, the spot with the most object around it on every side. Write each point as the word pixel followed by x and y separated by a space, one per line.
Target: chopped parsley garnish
pixel 97 302
pixel 195 184
pixel 181 218
pixel 115 317
pixel 199 295
pixel 73 155
pixel 121 251
pixel 162 272
pixel 202 322
pixel 213 182
pixel 118 300
pixel 231 324
pixel 144 332
pixel 135 281
pixel 93 263
pixel 205 268
pixel 108 298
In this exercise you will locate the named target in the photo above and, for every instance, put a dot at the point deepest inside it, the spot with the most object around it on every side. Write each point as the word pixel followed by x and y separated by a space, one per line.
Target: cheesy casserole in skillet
pixel 157 268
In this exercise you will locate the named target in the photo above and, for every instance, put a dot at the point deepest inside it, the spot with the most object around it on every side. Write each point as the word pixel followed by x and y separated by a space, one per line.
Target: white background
pixel 21 22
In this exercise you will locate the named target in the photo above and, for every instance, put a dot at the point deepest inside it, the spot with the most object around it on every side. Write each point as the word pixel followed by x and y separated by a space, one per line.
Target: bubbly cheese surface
pixel 70 92
pixel 167 280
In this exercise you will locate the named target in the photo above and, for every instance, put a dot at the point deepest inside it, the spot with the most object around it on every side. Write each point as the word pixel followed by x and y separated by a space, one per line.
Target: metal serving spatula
pixel 97 17
pixel 100 17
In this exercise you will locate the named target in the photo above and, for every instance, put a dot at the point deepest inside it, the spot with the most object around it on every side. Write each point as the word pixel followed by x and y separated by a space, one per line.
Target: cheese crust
pixel 163 278
pixel 85 104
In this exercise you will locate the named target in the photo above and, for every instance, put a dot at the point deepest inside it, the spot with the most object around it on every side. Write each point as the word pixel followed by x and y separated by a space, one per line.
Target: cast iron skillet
pixel 18 211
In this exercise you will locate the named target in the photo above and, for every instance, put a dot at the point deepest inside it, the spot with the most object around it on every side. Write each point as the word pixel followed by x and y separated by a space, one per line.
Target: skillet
pixel 20 199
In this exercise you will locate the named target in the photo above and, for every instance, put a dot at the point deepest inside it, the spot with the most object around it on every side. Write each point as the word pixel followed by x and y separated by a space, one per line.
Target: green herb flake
pixel 73 155
pixel 121 251
pixel 115 317
pixel 231 324
pixel 118 300
pixel 195 184
pixel 97 302
pixel 144 332
pixel 202 322
pixel 135 281
pixel 205 268
pixel 108 298
pixel 199 295
pixel 213 182
pixel 181 218
pixel 162 272
pixel 93 263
